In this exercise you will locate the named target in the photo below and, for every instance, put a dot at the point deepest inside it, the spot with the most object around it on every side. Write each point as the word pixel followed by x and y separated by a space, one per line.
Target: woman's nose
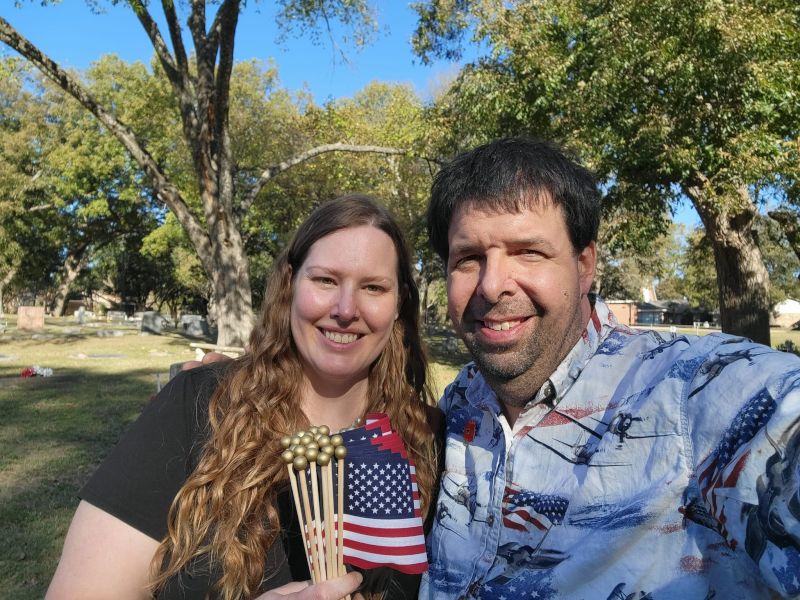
pixel 346 305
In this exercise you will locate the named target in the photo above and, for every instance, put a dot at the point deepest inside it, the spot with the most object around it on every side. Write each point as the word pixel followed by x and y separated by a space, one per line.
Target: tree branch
pixel 151 29
pixel 274 170
pixel 226 20
pixel 788 220
pixel 175 35
pixel 177 68
pixel 165 190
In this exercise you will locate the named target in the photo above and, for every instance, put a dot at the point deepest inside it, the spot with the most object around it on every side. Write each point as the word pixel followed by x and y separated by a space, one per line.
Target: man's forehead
pixel 473 210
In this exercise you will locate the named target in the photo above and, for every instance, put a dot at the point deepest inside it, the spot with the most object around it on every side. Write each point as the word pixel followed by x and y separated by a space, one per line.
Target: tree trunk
pixel 4 281
pixel 230 280
pixel 72 268
pixel 742 278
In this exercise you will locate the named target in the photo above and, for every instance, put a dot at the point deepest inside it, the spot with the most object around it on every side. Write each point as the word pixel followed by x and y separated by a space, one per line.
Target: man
pixel 585 459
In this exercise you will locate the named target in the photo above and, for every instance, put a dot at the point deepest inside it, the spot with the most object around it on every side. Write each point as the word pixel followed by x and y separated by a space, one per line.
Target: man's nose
pixel 496 279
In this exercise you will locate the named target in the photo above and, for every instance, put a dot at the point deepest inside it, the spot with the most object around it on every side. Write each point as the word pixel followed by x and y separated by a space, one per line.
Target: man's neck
pixel 515 395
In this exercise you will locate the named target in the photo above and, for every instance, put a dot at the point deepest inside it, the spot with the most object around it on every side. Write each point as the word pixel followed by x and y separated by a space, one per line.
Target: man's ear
pixel 587 261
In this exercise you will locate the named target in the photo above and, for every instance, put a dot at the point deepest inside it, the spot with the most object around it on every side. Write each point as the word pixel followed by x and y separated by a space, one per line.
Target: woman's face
pixel 344 304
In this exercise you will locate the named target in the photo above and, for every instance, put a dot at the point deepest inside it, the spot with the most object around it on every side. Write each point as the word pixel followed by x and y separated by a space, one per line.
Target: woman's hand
pixel 333 589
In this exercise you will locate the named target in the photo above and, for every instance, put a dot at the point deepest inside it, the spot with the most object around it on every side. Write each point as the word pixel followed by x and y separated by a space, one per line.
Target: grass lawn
pixel 54 430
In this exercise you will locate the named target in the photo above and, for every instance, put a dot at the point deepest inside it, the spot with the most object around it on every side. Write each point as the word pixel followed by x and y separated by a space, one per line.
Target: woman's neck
pixel 335 407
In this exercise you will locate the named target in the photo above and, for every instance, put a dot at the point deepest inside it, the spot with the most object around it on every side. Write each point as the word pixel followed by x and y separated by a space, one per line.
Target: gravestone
pixel 152 322
pixel 30 317
pixel 80 315
pixel 194 326
pixel 115 316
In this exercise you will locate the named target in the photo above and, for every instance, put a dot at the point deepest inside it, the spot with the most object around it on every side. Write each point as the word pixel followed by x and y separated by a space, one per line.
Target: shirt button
pixel 490 520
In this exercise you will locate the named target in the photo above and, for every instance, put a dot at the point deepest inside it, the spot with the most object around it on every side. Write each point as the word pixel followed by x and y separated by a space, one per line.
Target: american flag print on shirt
pixel 523 509
pixel 382 521
pixel 721 470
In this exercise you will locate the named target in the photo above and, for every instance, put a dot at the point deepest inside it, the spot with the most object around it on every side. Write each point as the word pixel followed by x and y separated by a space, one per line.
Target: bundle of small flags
pixel 36 371
pixel 364 513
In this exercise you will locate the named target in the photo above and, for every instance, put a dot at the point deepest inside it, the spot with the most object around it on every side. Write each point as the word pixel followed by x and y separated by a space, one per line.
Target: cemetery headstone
pixel 30 318
pixel 194 325
pixel 115 316
pixel 152 322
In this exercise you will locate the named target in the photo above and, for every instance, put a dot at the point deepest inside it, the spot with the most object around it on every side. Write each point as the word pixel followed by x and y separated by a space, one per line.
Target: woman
pixel 338 337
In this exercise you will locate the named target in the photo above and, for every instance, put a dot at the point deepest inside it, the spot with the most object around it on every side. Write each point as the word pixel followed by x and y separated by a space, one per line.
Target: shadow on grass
pixel 178 339
pixel 54 431
pixel 445 347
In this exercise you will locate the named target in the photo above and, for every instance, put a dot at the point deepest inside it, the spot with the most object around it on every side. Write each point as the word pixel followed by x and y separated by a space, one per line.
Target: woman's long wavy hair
pixel 226 512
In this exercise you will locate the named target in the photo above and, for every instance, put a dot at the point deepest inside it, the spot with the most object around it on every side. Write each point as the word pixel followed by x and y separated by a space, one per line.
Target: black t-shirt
pixel 142 474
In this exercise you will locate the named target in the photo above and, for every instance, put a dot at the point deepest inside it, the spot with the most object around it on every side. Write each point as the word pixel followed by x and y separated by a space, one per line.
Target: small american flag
pixel 382 521
pixel 523 509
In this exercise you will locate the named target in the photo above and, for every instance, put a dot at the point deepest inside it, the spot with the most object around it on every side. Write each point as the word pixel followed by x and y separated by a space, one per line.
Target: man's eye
pixel 530 252
pixel 465 261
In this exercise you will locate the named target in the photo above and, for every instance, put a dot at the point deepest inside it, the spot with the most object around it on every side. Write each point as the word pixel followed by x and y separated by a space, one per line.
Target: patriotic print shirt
pixel 647 467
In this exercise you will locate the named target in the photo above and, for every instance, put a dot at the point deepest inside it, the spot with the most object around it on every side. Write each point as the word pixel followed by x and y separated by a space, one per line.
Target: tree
pixel 664 99
pixel 200 85
pixel 623 271
pixel 29 249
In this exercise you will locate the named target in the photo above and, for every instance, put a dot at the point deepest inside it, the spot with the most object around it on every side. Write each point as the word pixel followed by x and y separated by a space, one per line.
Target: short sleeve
pixel 745 410
pixel 139 479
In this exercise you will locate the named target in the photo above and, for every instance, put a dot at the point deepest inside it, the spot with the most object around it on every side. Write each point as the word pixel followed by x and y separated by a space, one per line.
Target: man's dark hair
pixel 508 175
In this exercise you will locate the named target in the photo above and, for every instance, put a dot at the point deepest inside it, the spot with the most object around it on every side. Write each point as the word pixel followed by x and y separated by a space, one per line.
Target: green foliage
pixel 651 94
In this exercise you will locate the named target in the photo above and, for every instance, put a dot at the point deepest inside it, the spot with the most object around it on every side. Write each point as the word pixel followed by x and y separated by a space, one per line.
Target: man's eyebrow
pixel 469 246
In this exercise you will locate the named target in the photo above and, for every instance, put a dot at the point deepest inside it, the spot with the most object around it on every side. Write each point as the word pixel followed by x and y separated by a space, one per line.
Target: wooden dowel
pixel 340 515
pixel 318 521
pixel 299 510
pixel 330 540
pixel 316 573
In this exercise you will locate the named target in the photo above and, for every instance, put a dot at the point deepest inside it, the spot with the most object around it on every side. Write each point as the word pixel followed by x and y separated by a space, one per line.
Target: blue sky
pixel 74 36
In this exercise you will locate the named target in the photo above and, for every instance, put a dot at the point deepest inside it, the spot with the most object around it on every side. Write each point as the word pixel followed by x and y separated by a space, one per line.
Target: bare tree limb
pixel 227 18
pixel 175 35
pixel 274 170
pixel 151 29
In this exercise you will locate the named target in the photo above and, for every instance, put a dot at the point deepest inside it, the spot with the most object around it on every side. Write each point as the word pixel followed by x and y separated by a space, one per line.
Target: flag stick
pixel 317 515
pixel 309 520
pixel 324 461
pixel 288 458
pixel 339 453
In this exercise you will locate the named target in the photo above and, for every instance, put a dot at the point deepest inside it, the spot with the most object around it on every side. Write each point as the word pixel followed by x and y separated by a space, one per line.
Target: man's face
pixel 517 290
